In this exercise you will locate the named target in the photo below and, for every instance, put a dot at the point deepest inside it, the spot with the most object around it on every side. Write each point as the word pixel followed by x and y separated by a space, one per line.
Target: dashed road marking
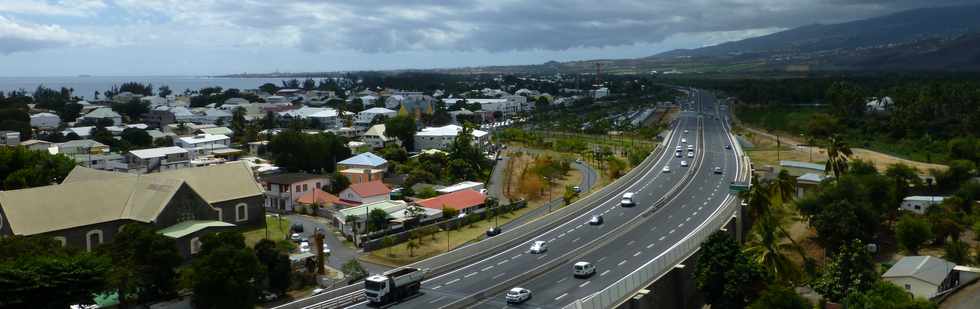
pixel 487 268
pixel 671 231
pixel 560 296
pixel 621 263
pixel 584 284
pixel 452 281
pixel 515 257
pixel 637 253
pixel 470 274
pixel 662 238
pixel 502 262
pixel 436 287
pixel 602 258
pixel 604 273
pixel 650 245
pixel 437 300
pixel 576 239
pixel 630 243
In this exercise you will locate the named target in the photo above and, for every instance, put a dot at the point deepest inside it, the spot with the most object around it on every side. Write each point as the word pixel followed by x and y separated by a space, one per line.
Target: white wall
pixel 918 288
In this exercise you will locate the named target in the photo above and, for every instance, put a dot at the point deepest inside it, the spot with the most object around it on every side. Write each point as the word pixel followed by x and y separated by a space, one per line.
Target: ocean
pixel 86 86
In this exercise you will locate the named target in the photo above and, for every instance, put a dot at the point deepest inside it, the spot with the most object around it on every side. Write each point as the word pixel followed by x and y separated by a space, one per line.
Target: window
pixel 317 185
pixel 92 239
pixel 221 216
pixel 195 245
pixel 241 212
pixel 305 187
pixel 297 188
pixel 62 240
pixel 908 286
pixel 917 207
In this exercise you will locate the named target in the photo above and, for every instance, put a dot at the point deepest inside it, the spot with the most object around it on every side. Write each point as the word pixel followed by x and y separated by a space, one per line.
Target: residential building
pixel 106 161
pixel 90 207
pixel 82 146
pixel 365 160
pixel 322 198
pixel 600 93
pixel 100 114
pixel 441 137
pixel 45 121
pixel 81 132
pixel 808 182
pixel 923 276
pixel 36 144
pixel 282 190
pixel 365 117
pixel 351 221
pixel 375 137
pixel 466 185
pixel 215 131
pixel 158 118
pixel 466 201
pixel 366 192
pixel 125 97
pixel 920 204
pixel 203 144
pixel 152 160
pixel 9 138
pixel 216 116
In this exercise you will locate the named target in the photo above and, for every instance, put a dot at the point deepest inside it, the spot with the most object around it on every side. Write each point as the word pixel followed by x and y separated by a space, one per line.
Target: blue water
pixel 85 87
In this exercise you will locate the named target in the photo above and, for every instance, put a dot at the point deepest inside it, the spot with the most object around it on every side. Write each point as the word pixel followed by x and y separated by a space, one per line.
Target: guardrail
pixel 464 255
pixel 619 291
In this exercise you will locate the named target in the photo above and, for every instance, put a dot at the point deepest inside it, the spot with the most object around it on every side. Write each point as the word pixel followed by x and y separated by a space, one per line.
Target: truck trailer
pixel 394 285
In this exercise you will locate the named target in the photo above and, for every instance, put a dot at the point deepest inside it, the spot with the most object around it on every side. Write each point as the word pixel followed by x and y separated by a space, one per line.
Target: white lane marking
pixel 498 276
pixel 694 214
pixel 576 239
pixel 621 263
pixel 436 287
pixel 602 258
pixel 671 231
pixel 560 235
pixel 487 268
pixel 437 300
pixel 630 243
pixel 551 240
pixel 637 253
pixel 560 296
pixel 542 256
pixel 653 228
pixel 515 257
pixel 584 284
pixel 604 273
pixel 688 219
pixel 502 262
pixel 560 280
pixel 650 245
pixel 662 238
pixel 452 281
pixel 470 274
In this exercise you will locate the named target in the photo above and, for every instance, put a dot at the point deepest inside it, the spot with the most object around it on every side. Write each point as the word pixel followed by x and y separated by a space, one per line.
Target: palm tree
pixel 412 245
pixel 757 198
pixel 837 154
pixel 767 247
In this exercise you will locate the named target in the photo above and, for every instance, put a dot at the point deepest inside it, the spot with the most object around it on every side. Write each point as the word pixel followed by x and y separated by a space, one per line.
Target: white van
pixel 627 199
pixel 583 269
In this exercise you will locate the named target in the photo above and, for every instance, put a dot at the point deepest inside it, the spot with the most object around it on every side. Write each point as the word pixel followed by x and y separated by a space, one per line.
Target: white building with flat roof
pixel 45 121
pixel 441 137
pixel 365 117
pixel 203 144
pixel 157 159
pixel 920 204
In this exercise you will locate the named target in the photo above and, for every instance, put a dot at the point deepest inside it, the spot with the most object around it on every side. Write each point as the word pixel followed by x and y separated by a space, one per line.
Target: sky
pixel 211 37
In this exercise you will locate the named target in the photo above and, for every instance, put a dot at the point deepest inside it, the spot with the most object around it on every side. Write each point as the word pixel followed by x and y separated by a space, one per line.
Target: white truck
pixel 394 285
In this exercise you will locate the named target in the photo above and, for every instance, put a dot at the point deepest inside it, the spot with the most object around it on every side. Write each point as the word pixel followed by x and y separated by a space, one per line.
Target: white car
pixel 295 237
pixel 679 154
pixel 683 140
pixel 518 295
pixel 690 154
pixel 690 147
pixel 326 250
pixel 539 246
pixel 679 147
pixel 304 247
pixel 317 291
pixel 583 269
pixel 685 131
pixel 683 163
pixel 666 169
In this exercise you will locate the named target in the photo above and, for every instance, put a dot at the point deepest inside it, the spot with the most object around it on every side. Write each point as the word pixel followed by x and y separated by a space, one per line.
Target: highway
pixel 477 275
pixel 628 238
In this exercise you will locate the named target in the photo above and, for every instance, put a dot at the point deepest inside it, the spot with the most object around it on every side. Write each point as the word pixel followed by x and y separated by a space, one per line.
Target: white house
pixel 922 276
pixel 282 190
pixel 83 132
pixel 368 100
pixel 365 117
pixel 472 185
pixel 45 120
pixel 203 144
pixel 375 136
pixel 599 93
pixel 157 159
pixel 920 204
pixel 441 137
pixel 366 192
pixel 102 113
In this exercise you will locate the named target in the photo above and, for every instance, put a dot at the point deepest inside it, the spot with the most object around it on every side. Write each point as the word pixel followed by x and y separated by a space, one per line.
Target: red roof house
pixel 317 196
pixel 466 201
pixel 366 192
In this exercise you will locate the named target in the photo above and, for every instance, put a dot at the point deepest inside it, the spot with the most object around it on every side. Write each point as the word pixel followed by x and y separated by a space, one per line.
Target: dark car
pixel 596 220
pixel 728 146
pixel 296 228
pixel 493 231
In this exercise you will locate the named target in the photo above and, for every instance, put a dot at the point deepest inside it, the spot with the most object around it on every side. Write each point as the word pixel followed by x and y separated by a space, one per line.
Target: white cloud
pixel 20 37
pixel 56 8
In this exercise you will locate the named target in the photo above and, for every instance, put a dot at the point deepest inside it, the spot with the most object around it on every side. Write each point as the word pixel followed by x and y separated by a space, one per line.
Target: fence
pixel 377 240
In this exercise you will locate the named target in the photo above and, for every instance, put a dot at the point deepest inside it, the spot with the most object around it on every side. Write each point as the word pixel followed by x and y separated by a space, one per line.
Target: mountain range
pixel 927 39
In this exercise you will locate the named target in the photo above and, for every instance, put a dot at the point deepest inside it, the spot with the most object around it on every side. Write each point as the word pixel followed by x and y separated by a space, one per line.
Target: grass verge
pixel 278 228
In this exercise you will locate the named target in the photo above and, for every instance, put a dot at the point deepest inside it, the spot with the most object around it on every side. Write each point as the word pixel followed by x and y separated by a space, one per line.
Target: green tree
pixel 338 182
pixel 137 138
pixel 403 128
pixel 277 265
pixel 36 272
pixel 850 271
pixel 144 264
pixel 354 271
pixel 912 232
pixel 777 297
pixel 238 122
pixel 412 245
pixel 269 88
pixel 387 242
pixel 449 212
pixel 767 247
pixel 164 91
pixel 822 126
pixel 846 100
pixel 133 109
pixel 377 220
pixel 727 277
pixel 23 168
pixel 957 252
pixel 426 192
pixel 312 153
pixel 884 295
pixel 225 273
pixel 837 154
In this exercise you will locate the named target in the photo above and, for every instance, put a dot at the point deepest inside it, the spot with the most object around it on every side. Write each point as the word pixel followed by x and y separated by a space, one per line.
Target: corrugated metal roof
pixel 187 227
pixel 925 268
pixel 366 158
